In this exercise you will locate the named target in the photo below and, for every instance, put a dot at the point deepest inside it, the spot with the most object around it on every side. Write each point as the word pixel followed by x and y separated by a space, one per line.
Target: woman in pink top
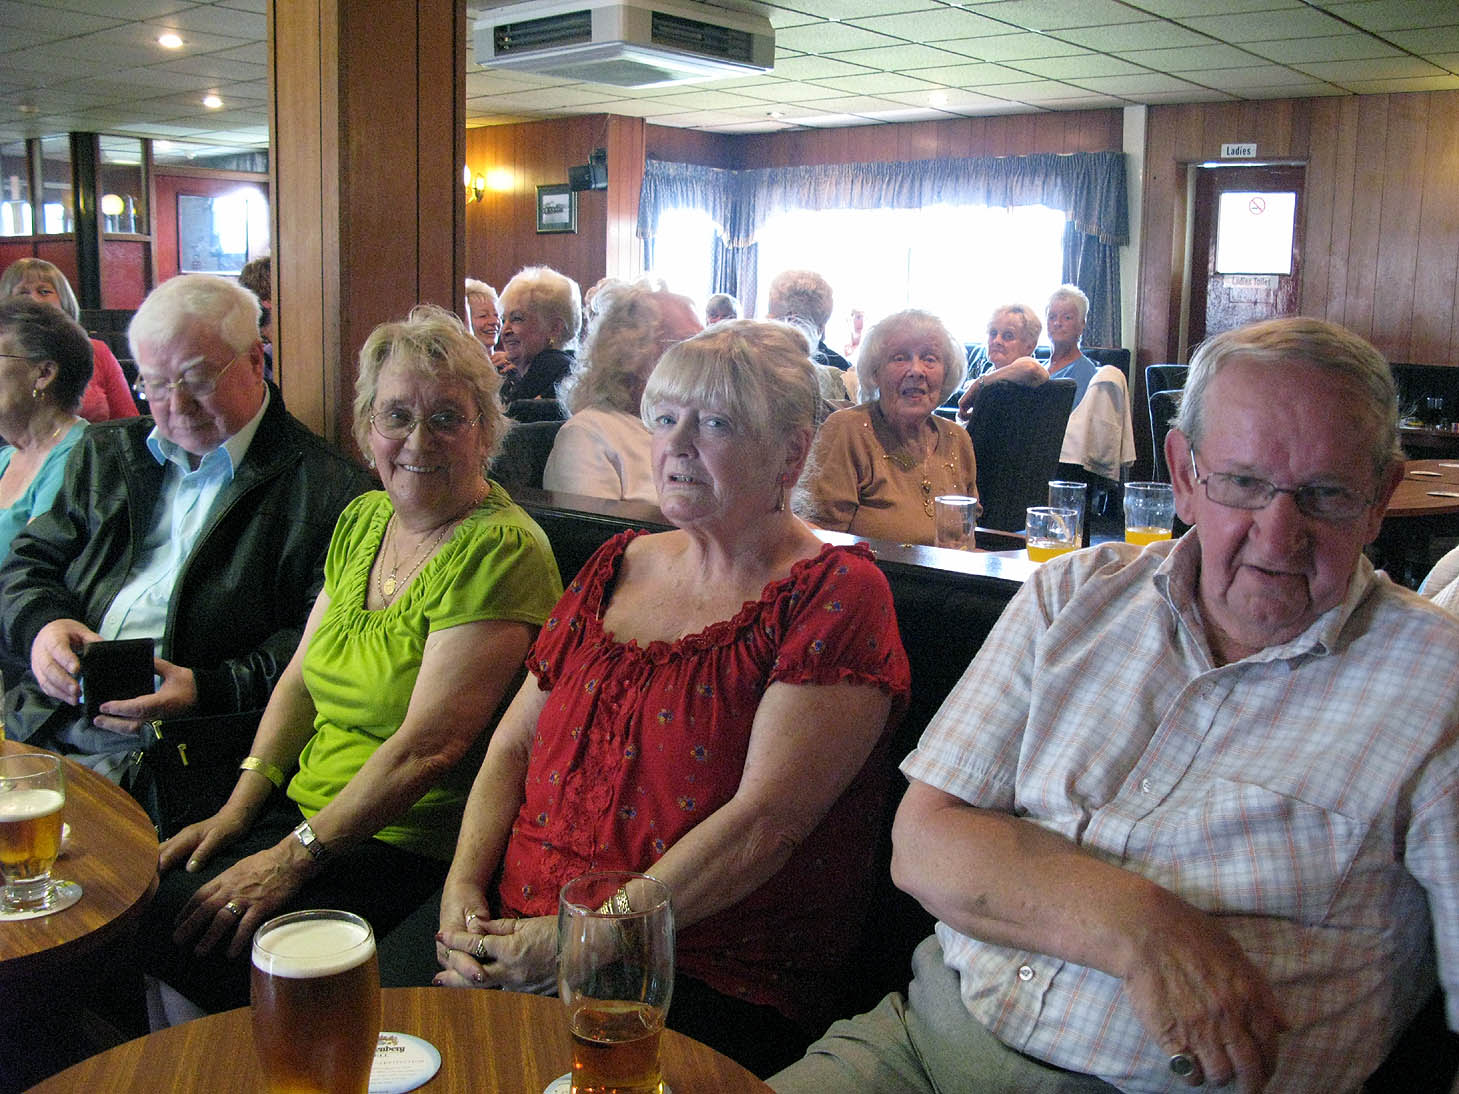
pixel 108 395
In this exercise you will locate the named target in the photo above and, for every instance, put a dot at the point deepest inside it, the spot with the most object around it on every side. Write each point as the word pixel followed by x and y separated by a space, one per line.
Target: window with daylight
pixel 957 261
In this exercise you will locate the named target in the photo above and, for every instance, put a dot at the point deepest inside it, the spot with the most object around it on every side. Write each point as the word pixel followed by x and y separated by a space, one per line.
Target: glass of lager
pixel 615 975
pixel 32 797
pixel 316 1002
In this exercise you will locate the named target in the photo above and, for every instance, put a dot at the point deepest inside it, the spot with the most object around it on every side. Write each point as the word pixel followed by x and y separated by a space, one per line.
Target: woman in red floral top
pixel 708 705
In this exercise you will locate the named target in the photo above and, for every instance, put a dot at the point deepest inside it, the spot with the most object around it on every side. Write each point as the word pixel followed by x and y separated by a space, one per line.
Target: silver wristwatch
pixel 312 843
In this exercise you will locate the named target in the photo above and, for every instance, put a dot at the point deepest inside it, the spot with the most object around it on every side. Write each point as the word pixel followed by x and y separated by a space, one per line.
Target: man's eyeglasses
pixel 19 357
pixel 396 424
pixel 1332 504
pixel 159 391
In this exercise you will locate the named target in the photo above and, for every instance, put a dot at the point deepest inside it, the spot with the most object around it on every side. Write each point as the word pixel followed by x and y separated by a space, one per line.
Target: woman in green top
pixel 433 592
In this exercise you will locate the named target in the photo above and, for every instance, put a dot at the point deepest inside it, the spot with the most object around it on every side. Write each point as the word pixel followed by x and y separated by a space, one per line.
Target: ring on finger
pixel 478 951
pixel 234 908
pixel 1183 1064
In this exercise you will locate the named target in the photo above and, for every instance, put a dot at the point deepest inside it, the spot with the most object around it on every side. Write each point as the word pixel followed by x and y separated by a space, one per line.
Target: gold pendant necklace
pixel 390 584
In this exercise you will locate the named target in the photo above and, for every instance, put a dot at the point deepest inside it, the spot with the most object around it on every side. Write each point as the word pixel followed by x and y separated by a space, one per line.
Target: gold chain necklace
pixel 388 586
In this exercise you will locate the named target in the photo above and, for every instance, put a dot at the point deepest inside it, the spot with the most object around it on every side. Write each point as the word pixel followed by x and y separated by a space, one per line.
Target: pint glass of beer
pixel 32 797
pixel 615 975
pixel 316 1002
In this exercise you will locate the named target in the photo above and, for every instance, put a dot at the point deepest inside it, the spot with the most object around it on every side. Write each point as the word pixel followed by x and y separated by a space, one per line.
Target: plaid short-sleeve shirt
pixel 1308 796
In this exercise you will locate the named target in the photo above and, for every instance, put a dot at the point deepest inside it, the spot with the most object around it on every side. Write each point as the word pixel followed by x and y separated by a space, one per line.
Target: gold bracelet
pixel 617 904
pixel 269 771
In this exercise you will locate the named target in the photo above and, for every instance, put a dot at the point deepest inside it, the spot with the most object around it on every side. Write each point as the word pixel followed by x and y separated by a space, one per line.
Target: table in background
pixel 112 853
pixel 1414 518
pixel 491 1042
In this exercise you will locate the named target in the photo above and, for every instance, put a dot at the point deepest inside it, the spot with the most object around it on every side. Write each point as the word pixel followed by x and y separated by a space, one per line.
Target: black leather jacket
pixel 244 593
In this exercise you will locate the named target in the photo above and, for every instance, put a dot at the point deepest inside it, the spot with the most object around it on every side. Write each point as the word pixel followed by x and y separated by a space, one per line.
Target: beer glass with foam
pixel 615 975
pixel 32 799
pixel 316 1002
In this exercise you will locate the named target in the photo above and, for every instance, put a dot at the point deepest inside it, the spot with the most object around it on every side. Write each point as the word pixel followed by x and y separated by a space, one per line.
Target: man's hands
pixel 1194 989
pixel 55 659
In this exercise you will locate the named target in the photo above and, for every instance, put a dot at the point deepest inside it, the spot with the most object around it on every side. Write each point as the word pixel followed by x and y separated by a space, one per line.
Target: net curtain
pixel 1088 187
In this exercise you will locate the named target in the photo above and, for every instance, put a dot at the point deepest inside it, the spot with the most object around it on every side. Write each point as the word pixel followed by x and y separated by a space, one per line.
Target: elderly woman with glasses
pixel 434 589
pixel 106 395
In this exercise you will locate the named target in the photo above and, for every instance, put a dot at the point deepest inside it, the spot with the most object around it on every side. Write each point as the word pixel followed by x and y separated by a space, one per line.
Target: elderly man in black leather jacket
pixel 203 528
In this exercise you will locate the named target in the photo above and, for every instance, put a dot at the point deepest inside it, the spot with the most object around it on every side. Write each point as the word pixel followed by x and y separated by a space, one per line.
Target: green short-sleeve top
pixel 361 665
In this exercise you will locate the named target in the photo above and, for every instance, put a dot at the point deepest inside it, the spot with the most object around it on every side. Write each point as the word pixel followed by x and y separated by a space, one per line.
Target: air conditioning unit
pixel 626 43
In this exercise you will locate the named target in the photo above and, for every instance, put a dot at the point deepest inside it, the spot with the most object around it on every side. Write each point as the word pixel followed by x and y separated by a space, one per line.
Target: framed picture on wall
pixel 557 209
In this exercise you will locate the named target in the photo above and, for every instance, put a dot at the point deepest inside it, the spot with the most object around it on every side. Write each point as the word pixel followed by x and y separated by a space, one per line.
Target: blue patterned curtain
pixel 1088 187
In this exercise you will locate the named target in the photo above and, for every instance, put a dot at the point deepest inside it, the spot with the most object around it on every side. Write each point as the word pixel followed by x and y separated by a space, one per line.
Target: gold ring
pixel 233 906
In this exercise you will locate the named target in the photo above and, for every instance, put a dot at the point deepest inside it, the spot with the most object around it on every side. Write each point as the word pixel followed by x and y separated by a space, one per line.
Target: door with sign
pixel 1246 246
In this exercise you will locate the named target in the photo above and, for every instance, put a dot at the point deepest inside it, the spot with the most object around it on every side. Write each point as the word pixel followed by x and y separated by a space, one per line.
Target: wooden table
pixel 1414 517
pixel 491 1042
pixel 112 853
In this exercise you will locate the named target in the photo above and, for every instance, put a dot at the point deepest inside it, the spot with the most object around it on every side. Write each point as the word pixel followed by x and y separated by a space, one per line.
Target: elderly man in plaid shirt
pixel 1192 814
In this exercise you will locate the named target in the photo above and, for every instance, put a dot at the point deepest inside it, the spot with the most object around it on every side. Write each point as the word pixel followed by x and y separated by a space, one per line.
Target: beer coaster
pixel 67 894
pixel 563 1085
pixel 402 1062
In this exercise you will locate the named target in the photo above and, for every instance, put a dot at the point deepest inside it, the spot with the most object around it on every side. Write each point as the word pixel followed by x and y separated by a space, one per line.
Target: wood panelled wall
pixel 1381 230
pixel 501 235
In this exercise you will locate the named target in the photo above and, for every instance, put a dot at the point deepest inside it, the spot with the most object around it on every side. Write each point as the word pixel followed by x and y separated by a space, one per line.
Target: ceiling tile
pixel 1385 15
pixel 1011 47
pixel 786 92
pixel 1240 79
pixel 1432 40
pixel 815 68
pixel 1338 47
pixel 1445 82
pixel 900 58
pixel 704 100
pixel 833 121
pixel 1383 68
pixel 951 99
pixel 1191 57
pixel 1255 26
pixel 1150 83
pixel 1088 101
pixel 970 75
pixel 46 20
pixel 1035 92
pixel 1199 95
pixel 1291 91
pixel 1078 66
pixel 824 37
pixel 849 10
pixel 1177 9
pixel 1123 37
pixel 877 83
pixel 781 18
pixel 853 104
pixel 1054 14
pixel 134 9
pixel 928 26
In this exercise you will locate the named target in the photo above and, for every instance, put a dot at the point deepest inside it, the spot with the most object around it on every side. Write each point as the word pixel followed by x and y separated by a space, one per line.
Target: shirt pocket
pixel 1248 849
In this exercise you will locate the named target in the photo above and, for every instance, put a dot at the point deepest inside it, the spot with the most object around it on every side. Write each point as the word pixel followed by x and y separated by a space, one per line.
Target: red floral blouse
pixel 637 745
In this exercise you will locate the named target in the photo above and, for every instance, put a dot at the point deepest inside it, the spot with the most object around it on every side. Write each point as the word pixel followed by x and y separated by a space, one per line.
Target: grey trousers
pixel 927 1043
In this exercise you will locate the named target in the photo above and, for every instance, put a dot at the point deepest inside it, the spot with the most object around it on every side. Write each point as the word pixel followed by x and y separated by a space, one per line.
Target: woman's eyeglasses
pixel 397 424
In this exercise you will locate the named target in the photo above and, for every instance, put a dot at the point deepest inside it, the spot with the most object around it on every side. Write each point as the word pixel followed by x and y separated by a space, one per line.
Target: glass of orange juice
pixel 1050 532
pixel 1149 512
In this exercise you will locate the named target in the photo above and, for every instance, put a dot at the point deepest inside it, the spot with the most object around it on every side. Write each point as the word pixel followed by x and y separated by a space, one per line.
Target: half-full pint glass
pixel 32 800
pixel 615 974
pixel 316 1002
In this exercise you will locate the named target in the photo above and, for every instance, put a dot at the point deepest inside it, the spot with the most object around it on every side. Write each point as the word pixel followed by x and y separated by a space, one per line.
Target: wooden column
pixel 368 137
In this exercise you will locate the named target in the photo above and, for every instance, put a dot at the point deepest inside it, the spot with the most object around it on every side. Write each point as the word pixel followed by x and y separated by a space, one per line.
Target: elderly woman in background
pixel 45 365
pixel 107 394
pixel 603 450
pixel 541 312
pixel 483 313
pixel 1013 332
pixel 806 295
pixel 709 704
pixel 721 306
pixel 876 467
pixel 434 589
pixel 1100 436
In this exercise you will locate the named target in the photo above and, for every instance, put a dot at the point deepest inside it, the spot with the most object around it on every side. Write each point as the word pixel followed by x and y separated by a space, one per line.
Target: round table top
pixel 112 853
pixel 491 1042
pixel 1415 495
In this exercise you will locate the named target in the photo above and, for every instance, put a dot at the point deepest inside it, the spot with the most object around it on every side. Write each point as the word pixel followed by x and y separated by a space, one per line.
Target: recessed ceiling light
pixel 169 41
pixel 938 98
pixel 775 114
pixel 212 101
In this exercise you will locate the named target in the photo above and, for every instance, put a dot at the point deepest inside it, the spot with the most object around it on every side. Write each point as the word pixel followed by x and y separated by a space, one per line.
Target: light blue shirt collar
pixel 230 452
